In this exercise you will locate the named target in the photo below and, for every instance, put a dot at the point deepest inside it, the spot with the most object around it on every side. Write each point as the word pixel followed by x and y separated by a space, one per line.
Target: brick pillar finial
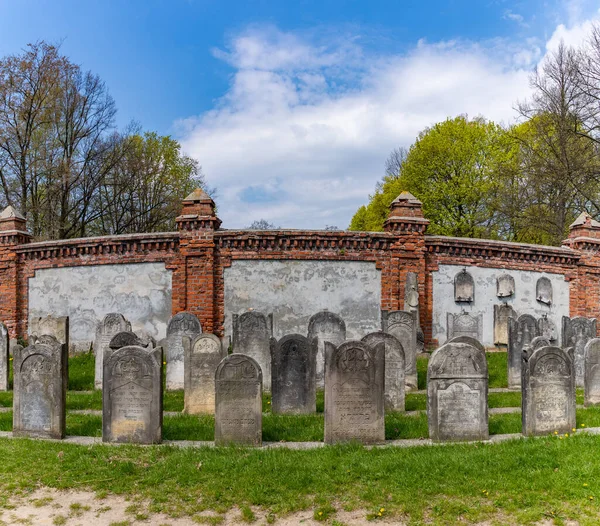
pixel 406 214
pixel 583 226
pixel 198 212
pixel 13 227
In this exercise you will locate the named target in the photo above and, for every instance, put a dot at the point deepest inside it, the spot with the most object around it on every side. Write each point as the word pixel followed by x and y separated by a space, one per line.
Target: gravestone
pixel 411 304
pixel 403 326
pixel 394 369
pixel 40 390
pixel 180 325
pixel 592 372
pixel 132 396
pixel 464 287
pixel 537 342
pixel 457 393
pixel 4 357
pixel 467 339
pixel 465 325
pixel 543 290
pixel 252 331
pixel 548 403
pixel 126 339
pixel 547 329
pixel 520 333
pixel 238 401
pixel 505 286
pixel 112 324
pixel 293 369
pixel 202 356
pixel 57 326
pixel 326 327
pixel 502 313
pixel 576 332
pixel 354 392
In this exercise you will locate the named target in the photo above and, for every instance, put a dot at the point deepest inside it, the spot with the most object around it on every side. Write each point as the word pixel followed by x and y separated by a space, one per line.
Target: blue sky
pixel 292 107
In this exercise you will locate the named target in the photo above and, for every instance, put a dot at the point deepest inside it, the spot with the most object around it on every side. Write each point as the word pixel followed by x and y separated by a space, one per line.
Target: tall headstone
pixel 548 402
pixel 326 327
pixel 202 356
pixel 4 357
pixel 505 286
pixel 464 287
pixel 464 325
pixel 132 396
pixel 57 326
pixel 576 332
pixel 238 401
pixel 293 370
pixel 252 331
pixel 403 326
pixel 502 313
pixel 543 290
pixel 180 325
pixel 547 329
pixel 592 372
pixel 354 392
pixel 457 393
pixel 40 390
pixel 520 333
pixel 411 304
pixel 112 324
pixel 394 384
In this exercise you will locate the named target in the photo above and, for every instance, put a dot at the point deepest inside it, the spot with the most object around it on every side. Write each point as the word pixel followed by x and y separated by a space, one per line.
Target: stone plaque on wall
pixel 501 315
pixel 293 369
pixel 238 401
pixel 40 389
pixel 520 333
pixel 180 325
pixel 57 326
pixel 251 334
pixel 548 392
pixel 202 356
pixel 4 357
pixel 112 324
pixel 464 325
pixel 354 393
pixel 464 287
pixel 326 327
pixel 132 396
pixel 576 332
pixel 505 286
pixel 457 392
pixel 592 372
pixel 394 369
pixel 543 290
pixel 403 326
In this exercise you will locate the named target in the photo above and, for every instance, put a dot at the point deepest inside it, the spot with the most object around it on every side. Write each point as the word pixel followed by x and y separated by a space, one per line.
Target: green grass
pixel 81 372
pixel 497 369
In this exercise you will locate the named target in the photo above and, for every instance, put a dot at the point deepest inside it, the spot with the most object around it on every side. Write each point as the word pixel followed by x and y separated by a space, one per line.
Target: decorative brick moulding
pixel 199 252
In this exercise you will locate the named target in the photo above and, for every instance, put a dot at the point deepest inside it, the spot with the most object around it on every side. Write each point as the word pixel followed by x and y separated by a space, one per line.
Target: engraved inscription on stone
pixel 502 313
pixel 505 286
pixel 4 357
pixel 537 342
pixel 52 325
pixel 592 372
pixel 326 327
pixel 458 410
pixel 576 332
pixel 180 325
pixel 543 290
pixel 464 287
pixel 547 329
pixel 520 333
pixel 202 357
pixel 403 326
pixel 464 325
pixel 251 334
pixel 411 304
pixel 111 325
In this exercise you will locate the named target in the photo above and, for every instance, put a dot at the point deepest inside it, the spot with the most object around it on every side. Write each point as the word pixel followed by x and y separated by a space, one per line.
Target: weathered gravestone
pixel 126 339
pixel 403 326
pixel 502 313
pixel 4 357
pixel 51 325
pixel 520 333
pixel 238 401
pixel 112 324
pixel 464 325
pixel 202 355
pixel 505 286
pixel 394 387
pixel 592 372
pixel 180 325
pixel 251 334
pixel 411 304
pixel 467 339
pixel 293 370
pixel 40 390
pixel 457 393
pixel 547 329
pixel 132 396
pixel 548 402
pixel 354 392
pixel 576 332
pixel 326 327
pixel 538 342
pixel 464 287
pixel 543 290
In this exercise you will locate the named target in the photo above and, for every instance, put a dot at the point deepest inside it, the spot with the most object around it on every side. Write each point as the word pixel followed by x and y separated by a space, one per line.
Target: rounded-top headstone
pixel 469 340
pixel 126 339
pixel 202 356
pixel 592 372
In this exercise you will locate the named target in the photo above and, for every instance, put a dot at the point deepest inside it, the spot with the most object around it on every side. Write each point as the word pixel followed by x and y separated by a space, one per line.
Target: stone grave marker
pixel 457 393
pixel 4 357
pixel 180 325
pixel 520 333
pixel 132 395
pixel 505 286
pixel 502 313
pixel 202 355
pixel 464 325
pixel 354 392
pixel 57 326
pixel 394 384
pixel 411 304
pixel 543 290
pixel 326 327
pixel 576 332
pixel 469 340
pixel 547 329
pixel 537 342
pixel 40 390
pixel 112 324
pixel 592 372
pixel 238 401
pixel 548 403
pixel 293 369
pixel 126 339
pixel 403 326
pixel 252 331
pixel 464 287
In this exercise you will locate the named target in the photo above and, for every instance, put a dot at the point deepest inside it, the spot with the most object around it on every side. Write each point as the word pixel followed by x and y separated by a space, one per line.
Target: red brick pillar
pixel 197 224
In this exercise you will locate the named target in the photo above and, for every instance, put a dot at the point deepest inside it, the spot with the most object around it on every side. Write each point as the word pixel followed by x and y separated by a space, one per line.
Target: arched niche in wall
pixel 543 290
pixel 505 286
pixel 464 287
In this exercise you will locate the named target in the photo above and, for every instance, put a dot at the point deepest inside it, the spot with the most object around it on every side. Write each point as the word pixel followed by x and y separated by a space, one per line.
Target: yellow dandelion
pixel 566 434
pixel 320 513
pixel 591 497
pixel 379 514
pixel 381 510
pixel 585 484
pixel 268 402
pixel 582 425
pixel 560 438
pixel 573 430
pixel 164 363
pixel 556 432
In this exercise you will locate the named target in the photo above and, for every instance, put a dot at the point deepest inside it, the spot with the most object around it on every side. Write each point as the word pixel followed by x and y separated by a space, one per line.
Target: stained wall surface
pixel 141 292
pixel 523 300
pixel 295 290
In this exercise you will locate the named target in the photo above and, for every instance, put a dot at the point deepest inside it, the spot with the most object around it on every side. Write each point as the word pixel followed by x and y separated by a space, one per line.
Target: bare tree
pixel 262 224
pixel 394 162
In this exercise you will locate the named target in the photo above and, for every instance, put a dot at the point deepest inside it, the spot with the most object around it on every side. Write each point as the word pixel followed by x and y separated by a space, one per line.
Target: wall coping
pixel 150 237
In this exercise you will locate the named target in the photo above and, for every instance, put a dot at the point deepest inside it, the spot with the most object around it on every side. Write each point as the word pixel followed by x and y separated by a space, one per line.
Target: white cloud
pixel 515 17
pixel 302 135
